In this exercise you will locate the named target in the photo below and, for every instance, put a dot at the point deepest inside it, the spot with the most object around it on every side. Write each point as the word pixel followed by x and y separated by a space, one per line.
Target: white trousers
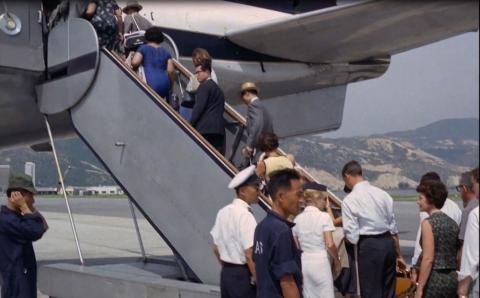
pixel 317 275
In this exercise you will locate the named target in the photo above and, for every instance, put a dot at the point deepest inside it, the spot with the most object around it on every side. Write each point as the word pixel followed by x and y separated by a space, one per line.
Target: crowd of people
pixel 295 250
pixel 292 252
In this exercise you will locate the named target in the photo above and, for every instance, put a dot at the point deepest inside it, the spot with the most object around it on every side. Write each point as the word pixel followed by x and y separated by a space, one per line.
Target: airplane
pixel 302 54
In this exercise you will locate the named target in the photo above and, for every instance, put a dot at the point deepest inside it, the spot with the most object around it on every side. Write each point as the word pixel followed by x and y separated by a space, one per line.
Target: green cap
pixel 21 182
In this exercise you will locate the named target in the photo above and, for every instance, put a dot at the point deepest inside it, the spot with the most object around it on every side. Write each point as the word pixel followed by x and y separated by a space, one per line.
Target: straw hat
pixel 132 4
pixel 249 86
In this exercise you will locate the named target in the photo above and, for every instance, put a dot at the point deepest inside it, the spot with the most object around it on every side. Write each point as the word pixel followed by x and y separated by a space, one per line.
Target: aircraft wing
pixel 359 31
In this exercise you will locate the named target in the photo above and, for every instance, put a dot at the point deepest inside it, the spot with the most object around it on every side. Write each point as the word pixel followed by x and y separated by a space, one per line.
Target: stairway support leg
pixel 181 265
pixel 60 177
pixel 137 230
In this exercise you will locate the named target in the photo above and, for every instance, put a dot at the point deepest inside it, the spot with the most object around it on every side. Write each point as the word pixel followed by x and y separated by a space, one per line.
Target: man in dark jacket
pixel 258 119
pixel 207 114
pixel 20 225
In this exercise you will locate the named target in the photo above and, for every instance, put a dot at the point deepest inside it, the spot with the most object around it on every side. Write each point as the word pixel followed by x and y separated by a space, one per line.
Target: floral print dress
pixel 105 22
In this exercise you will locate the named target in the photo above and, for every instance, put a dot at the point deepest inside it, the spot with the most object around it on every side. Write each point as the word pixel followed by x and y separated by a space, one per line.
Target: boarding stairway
pixel 174 177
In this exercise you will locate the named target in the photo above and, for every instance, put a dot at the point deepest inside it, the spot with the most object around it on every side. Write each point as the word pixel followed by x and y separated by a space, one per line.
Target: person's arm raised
pixel 137 60
pixel 171 71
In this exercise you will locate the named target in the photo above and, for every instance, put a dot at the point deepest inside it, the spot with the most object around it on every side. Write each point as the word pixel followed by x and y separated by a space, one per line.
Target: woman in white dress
pixel 313 232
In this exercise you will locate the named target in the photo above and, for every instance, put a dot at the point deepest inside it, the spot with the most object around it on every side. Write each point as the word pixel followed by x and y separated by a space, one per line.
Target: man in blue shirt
pixel 20 225
pixel 276 256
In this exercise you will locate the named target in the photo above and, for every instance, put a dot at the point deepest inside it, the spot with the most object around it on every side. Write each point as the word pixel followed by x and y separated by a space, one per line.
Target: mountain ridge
pixel 395 159
pixel 391 160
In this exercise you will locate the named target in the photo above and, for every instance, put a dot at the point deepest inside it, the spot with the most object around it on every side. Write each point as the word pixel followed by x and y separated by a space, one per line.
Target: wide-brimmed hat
pixel 21 182
pixel 249 86
pixel 132 4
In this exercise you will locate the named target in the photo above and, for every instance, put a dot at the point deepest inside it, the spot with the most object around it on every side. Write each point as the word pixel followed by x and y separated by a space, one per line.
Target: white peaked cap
pixel 244 176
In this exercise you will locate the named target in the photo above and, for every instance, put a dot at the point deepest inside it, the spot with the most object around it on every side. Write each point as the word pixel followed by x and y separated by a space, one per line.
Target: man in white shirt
pixel 470 201
pixel 233 234
pixel 450 208
pixel 470 260
pixel 369 223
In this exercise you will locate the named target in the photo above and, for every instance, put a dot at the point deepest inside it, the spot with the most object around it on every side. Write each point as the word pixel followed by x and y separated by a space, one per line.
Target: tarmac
pixel 106 231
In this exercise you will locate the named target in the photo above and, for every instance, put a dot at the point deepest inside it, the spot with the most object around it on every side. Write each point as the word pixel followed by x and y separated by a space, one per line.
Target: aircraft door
pixel 73 58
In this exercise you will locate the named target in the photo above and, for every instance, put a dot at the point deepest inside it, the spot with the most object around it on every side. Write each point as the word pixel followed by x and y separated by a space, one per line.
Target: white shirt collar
pixel 360 185
pixel 253 99
pixel 310 209
pixel 240 203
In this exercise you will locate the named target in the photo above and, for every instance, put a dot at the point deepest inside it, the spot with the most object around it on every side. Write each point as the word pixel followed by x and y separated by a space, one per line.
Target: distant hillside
pixel 449 147
pixel 391 160
pixel 85 169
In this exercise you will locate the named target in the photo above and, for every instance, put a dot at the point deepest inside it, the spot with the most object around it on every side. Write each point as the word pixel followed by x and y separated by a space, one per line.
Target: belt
pixel 230 265
pixel 376 235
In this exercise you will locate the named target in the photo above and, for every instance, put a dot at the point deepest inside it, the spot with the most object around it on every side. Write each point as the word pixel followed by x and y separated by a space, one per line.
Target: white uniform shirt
pixel 233 231
pixel 309 228
pixel 451 209
pixel 367 210
pixel 470 260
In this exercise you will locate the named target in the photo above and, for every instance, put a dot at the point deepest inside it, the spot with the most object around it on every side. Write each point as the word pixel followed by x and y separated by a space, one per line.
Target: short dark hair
pixel 267 142
pixel 430 176
pixel 476 174
pixel 281 179
pixel 154 34
pixel 205 66
pixel 434 191
pixel 352 168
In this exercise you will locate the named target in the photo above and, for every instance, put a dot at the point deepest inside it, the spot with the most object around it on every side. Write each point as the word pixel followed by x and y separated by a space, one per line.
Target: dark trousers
pixel 217 141
pixel 346 282
pixel 377 266
pixel 235 282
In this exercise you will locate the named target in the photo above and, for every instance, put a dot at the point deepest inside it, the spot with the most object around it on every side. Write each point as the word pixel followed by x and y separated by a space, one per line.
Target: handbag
pixel 132 41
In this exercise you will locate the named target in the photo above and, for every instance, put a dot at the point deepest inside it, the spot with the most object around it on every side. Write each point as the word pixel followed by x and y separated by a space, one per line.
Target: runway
pixel 106 231
pixel 102 222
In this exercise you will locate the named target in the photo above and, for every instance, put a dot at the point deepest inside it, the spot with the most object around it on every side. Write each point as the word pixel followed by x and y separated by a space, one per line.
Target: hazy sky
pixel 427 84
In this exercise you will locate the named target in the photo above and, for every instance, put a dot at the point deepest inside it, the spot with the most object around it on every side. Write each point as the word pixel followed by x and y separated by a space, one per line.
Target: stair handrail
pixel 242 121
pixel 264 202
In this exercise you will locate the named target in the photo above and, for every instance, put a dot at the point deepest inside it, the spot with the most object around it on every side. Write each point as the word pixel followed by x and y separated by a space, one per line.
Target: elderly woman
pixel 157 62
pixel 313 233
pixel 272 160
pixel 437 276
